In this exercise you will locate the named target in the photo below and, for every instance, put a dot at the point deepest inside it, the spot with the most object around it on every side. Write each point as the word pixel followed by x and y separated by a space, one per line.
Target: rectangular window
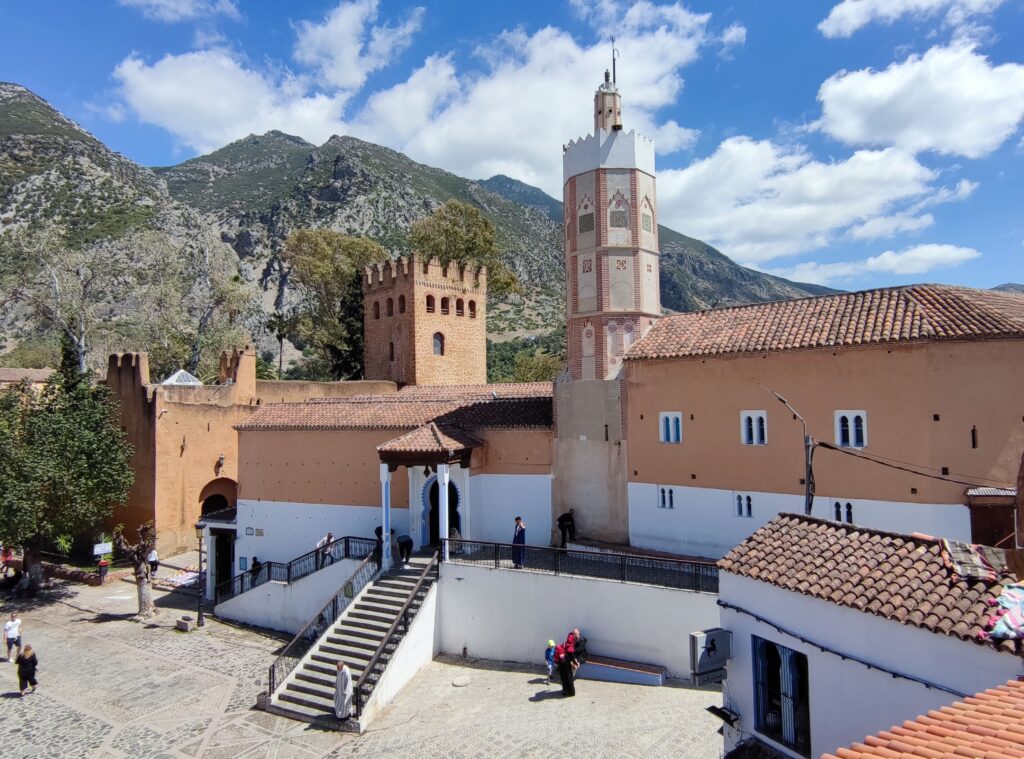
pixel 670 427
pixel 851 429
pixel 586 223
pixel 754 427
pixel 647 221
pixel 618 219
pixel 782 707
pixel 666 497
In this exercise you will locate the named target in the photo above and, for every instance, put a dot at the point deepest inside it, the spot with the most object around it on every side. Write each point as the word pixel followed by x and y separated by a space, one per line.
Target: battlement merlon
pixel 608 150
pixel 384 276
pixel 128 369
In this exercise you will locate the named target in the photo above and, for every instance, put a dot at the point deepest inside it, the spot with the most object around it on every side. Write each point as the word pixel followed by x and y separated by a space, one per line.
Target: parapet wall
pixel 406 270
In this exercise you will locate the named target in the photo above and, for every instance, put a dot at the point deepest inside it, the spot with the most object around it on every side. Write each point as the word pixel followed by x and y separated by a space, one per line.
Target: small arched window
pixel 391 307
pixel 844 431
pixel 739 505
pixel 858 431
pixel 438 344
pixel 460 307
pixel 401 304
pixel 749 512
pixel 663 498
pixel 748 430
pixel 839 511
pixel 376 309
pixel 762 433
pixel 849 513
pixel 391 351
pixel 472 309
pixel 444 305
pixel 671 499
pixel 430 304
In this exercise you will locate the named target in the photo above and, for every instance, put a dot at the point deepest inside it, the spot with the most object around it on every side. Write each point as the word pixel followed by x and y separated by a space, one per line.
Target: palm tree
pixel 279 324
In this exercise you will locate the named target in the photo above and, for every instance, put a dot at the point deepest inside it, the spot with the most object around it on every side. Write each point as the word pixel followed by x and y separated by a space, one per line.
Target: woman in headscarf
pixel 343 692
pixel 27 663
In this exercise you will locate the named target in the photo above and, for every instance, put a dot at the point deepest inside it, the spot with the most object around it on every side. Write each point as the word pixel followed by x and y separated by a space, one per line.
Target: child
pixel 549 658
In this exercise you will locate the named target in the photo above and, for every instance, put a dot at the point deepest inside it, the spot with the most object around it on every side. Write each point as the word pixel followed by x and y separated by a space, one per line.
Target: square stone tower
pixel 424 323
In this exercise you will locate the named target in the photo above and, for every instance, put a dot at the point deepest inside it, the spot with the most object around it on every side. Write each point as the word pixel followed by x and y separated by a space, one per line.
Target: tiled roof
pixel 989 725
pixel 523 405
pixel 898 577
pixel 976 492
pixel 431 438
pixel 15 375
pixel 896 314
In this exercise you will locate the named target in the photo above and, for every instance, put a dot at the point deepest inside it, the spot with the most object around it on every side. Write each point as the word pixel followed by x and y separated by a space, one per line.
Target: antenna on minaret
pixel 615 54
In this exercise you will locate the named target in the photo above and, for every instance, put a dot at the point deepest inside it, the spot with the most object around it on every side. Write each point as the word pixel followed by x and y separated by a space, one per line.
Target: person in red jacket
pixel 564 658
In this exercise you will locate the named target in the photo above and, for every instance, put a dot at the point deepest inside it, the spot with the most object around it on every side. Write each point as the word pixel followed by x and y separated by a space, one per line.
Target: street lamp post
pixel 200 619
pixel 808 457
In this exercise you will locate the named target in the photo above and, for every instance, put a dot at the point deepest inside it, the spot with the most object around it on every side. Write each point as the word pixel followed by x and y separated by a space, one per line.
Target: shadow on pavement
pixel 544 695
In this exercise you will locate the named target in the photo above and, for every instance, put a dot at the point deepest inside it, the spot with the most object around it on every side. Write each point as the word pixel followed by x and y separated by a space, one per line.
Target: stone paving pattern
pixel 112 687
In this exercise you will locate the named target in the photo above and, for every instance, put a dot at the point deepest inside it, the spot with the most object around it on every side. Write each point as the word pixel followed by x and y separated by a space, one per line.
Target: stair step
pixel 324 692
pixel 328 665
pixel 304 700
pixel 391 597
pixel 347 651
pixel 304 713
pixel 376 625
pixel 370 616
pixel 378 608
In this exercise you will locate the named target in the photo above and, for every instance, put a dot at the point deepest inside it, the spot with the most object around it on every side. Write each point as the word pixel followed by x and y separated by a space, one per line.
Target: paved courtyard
pixel 110 687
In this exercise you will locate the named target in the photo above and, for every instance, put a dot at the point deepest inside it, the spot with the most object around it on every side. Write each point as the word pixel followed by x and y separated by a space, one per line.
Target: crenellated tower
pixel 611 240
pixel 424 323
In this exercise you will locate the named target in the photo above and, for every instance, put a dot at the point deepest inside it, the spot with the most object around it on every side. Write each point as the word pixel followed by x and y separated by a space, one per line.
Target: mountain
pixel 1010 287
pixel 694 275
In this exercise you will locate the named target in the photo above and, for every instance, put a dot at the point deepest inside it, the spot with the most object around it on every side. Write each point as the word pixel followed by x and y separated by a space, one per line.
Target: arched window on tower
pixel 472 309
pixel 460 307
pixel 445 307
pixel 430 304
pixel 376 309
pixel 391 307
pixel 838 511
pixel 401 304
pixel 438 344
pixel 391 351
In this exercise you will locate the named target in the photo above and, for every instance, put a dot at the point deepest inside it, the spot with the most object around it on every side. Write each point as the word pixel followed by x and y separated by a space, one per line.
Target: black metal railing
pixel 349 547
pixel 322 621
pixel 394 635
pixel 684 574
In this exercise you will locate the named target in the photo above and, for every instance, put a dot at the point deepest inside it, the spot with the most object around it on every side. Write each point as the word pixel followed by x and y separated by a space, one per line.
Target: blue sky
pixel 856 143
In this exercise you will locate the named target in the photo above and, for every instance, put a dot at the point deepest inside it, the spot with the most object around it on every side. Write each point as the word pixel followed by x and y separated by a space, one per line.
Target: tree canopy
pixel 459 232
pixel 326 268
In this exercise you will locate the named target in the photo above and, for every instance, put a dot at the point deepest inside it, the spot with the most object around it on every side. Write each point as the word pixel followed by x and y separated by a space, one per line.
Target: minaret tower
pixel 611 240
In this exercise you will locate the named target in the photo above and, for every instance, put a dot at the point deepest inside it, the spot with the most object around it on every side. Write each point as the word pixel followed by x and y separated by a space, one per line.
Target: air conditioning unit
pixel 709 650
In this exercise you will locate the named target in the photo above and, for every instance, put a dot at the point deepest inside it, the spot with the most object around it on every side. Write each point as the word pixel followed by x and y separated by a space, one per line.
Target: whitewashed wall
pixel 288 606
pixel 509 615
pixel 849 701
pixel 497 499
pixel 417 649
pixel 292 529
pixel 704 521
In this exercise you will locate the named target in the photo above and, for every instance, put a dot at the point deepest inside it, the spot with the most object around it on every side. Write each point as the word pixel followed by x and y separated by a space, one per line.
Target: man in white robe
pixel 343 692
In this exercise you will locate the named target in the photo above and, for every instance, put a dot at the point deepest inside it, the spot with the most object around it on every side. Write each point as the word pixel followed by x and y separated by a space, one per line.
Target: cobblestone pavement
pixel 111 687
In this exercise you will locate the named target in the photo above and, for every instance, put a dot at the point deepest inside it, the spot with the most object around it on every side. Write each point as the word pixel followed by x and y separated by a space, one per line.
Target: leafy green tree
pixel 459 232
pixel 326 269
pixel 64 462
pixel 536 366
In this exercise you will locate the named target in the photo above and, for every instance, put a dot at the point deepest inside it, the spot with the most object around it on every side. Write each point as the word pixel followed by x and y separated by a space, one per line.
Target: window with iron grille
pixel 782 707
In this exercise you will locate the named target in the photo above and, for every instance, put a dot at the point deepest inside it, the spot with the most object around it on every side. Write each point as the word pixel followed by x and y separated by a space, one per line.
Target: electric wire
pixel 874 460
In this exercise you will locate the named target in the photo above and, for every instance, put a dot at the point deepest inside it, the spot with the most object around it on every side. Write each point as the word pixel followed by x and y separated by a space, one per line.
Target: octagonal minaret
pixel 611 240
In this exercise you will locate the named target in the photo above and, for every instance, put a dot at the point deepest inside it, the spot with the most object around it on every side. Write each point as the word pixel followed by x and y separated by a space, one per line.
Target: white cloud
pixel 918 259
pixel 734 35
pixel 758 200
pixel 890 226
pixel 950 100
pixel 851 15
pixel 171 11
pixel 347 47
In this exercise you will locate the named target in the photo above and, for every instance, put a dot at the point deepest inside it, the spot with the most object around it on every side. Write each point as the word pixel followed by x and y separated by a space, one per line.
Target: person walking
pixel 254 571
pixel 405 549
pixel 27 663
pixel 343 692
pixel 12 634
pixel 323 551
pixel 567 526
pixel 549 659
pixel 519 539
pixel 154 562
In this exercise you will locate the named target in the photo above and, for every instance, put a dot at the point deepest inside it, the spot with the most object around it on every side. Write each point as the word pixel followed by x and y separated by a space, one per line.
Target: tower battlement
pixel 404 270
pixel 608 150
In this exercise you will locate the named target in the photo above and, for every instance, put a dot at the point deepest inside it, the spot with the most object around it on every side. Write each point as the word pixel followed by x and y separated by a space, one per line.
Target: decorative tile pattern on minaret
pixel 611 240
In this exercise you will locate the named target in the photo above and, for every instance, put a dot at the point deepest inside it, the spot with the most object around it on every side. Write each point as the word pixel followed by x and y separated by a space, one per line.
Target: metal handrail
pixel 307 637
pixel 401 617
pixel 684 574
pixel 296 569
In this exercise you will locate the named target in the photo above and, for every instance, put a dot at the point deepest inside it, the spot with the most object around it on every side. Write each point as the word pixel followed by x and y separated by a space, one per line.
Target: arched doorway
pixel 453 511
pixel 218 495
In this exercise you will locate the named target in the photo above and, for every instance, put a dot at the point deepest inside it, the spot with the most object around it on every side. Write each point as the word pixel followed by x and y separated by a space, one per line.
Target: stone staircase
pixel 307 693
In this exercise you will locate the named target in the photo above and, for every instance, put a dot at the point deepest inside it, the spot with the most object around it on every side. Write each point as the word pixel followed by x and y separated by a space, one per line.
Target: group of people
pixel 567 658
pixel 401 547
pixel 26 659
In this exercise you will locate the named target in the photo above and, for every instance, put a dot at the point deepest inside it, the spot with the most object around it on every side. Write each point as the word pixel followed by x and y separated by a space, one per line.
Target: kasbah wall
pixel 400 341
pixel 185 444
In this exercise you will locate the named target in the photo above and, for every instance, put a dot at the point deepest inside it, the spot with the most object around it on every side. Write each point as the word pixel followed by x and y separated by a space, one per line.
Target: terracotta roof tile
pixel 895 314
pixel 908 581
pixel 989 725
pixel 521 405
pixel 14 375
pixel 431 438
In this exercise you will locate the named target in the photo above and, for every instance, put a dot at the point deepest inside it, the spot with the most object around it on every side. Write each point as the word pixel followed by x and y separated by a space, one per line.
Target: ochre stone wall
pixel 400 343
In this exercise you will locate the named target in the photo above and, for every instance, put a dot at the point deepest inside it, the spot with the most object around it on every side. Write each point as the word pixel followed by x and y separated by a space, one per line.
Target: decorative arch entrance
pixel 218 495
pixel 433 492
pixel 218 499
